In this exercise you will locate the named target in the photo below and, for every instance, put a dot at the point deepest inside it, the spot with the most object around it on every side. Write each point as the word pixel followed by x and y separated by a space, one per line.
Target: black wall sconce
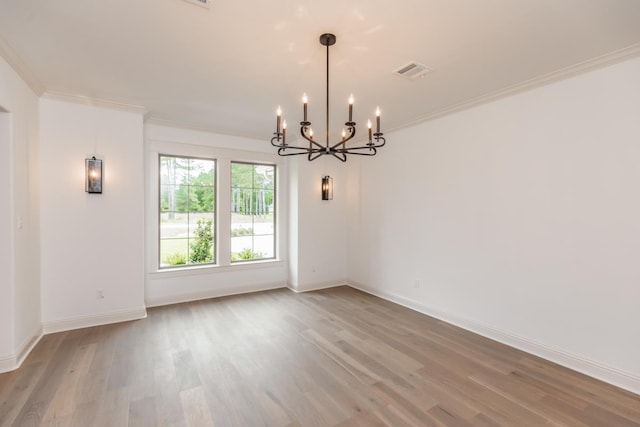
pixel 93 175
pixel 327 188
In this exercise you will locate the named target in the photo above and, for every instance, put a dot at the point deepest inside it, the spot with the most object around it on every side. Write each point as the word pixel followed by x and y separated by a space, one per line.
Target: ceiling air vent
pixel 412 70
pixel 203 3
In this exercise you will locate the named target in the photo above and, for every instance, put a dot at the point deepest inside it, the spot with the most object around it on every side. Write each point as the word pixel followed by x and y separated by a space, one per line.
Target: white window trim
pixel 223 157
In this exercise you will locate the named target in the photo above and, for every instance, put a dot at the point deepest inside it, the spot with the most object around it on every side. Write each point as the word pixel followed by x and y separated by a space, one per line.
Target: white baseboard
pixel 213 293
pixel 316 286
pixel 622 379
pixel 94 320
pixel 8 363
pixel 14 361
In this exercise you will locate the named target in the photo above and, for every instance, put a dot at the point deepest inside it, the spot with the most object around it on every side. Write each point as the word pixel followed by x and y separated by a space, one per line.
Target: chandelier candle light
pixel 338 150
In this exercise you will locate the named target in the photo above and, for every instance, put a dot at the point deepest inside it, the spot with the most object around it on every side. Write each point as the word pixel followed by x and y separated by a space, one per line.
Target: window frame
pixel 215 213
pixel 224 150
pixel 275 209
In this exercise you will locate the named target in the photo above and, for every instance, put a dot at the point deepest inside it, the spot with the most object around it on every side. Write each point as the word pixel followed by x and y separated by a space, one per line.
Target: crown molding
pixel 20 68
pixel 545 79
pixel 150 119
pixel 94 102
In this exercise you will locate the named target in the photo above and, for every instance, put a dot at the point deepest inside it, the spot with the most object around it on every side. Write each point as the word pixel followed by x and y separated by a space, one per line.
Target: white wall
pixel 177 285
pixel 19 268
pixel 520 219
pixel 319 227
pixel 91 241
pixel 6 239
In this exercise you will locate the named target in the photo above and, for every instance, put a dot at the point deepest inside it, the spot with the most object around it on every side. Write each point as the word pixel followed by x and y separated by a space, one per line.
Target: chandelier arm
pixel 378 138
pixel 318 153
pixel 355 153
pixel 281 151
pixel 352 133
pixel 304 149
pixel 368 145
pixel 342 157
pixel 277 138
pixel 304 135
pixel 311 141
pixel 358 148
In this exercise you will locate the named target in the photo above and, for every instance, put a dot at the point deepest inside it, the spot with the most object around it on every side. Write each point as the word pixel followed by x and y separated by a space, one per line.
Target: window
pixel 212 207
pixel 187 211
pixel 252 211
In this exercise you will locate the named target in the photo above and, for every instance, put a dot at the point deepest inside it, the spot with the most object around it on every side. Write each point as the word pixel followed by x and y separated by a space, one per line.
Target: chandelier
pixel 338 150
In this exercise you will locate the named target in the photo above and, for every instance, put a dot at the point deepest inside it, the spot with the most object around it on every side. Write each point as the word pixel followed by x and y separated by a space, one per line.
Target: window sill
pixel 213 269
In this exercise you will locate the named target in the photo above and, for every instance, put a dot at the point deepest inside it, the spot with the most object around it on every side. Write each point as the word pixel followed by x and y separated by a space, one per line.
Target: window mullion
pixel 223 212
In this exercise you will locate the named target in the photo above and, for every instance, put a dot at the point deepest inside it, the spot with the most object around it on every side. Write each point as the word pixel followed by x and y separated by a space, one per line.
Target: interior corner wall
pixel 293 225
pixel 91 242
pixel 518 219
pixel 320 235
pixel 20 324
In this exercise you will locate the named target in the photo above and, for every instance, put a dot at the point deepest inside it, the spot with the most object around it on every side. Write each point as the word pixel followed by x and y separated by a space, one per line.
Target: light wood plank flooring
pixel 335 357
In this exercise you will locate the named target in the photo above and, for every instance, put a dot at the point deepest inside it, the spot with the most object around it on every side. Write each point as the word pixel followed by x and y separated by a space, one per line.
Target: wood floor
pixel 336 357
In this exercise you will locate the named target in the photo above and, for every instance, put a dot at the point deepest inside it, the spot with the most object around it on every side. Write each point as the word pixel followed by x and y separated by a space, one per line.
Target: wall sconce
pixel 93 174
pixel 327 188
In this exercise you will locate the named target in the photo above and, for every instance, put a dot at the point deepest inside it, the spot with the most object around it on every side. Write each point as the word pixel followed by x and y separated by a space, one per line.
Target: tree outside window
pixel 187 211
pixel 252 211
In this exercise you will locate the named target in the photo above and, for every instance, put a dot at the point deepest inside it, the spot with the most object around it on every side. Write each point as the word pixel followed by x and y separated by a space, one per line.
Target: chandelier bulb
pixel 278 119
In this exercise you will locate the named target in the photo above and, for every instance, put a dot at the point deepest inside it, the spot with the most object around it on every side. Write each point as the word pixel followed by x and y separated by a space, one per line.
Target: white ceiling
pixel 227 68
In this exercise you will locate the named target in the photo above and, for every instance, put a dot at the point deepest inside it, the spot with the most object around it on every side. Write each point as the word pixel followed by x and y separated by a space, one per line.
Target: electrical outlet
pixel 99 294
pixel 416 284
